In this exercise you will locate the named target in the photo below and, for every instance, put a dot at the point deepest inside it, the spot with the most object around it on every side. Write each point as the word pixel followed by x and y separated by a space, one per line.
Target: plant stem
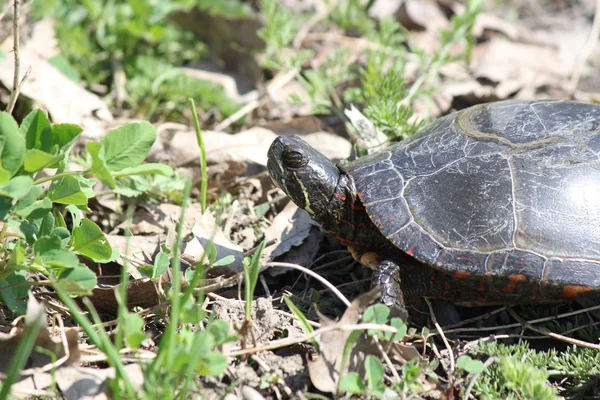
pixel 58 176
pixel 200 140
pixel 15 92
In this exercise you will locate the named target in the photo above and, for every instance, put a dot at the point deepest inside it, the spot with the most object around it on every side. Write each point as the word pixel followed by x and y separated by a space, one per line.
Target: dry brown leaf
pixel 326 369
pixel 384 8
pixel 138 250
pixel 84 383
pixel 422 14
pixel 206 230
pixel 295 126
pixel 37 368
pixel 141 292
pixel 159 218
pixel 297 238
pixel 48 88
pixel 516 65
pixel 233 156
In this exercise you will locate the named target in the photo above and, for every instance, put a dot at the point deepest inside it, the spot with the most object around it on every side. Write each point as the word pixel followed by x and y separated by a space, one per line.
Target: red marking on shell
pixel 349 242
pixel 573 291
pixel 446 289
pixel 513 280
pixel 411 250
pixel 458 275
pixel 345 221
pixel 469 259
pixel 521 262
pixel 340 196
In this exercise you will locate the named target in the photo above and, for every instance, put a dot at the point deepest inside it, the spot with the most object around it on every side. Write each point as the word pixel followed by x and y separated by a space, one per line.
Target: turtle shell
pixel 508 189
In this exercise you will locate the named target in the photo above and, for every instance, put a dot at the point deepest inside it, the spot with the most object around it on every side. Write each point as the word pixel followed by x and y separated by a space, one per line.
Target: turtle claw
pixel 387 275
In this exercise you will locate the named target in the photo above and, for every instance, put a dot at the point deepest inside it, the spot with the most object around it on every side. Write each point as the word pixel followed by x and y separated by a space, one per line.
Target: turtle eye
pixel 294 159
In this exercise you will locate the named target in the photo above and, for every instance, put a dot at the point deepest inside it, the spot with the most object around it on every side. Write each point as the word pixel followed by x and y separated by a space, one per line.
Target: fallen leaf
pixel 326 369
pixel 36 373
pixel 422 14
pixel 141 292
pixel 297 238
pixel 206 230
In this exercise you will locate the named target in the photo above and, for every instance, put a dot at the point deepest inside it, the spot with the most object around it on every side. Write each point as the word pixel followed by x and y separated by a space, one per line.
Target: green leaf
pixel 61 258
pixel 212 363
pixel 68 191
pixel 220 329
pixel 374 372
pixel 14 298
pixel 128 145
pixel 62 64
pixel 31 197
pixel 36 210
pixel 36 160
pixel 134 330
pixel 37 130
pixel 376 314
pixel 78 281
pixel 468 364
pixel 145 169
pixel 352 383
pixel 17 188
pixel 51 250
pixel 301 317
pixel 161 265
pixel 46 244
pixel 89 240
pixel 400 326
pixel 76 215
pixel 251 271
pixel 224 261
pixel 12 147
pixel 64 135
pixel 46 225
pixel 99 167
pixel 18 255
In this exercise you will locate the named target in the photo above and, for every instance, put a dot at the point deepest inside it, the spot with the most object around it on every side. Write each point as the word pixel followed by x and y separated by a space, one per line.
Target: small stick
pixel 13 96
pixel 439 329
pixel 487 363
pixel 546 332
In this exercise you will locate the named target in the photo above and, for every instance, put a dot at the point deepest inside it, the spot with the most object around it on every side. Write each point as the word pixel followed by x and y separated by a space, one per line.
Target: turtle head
pixel 304 174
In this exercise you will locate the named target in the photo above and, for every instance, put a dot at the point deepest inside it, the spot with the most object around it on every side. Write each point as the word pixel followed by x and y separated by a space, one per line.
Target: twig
pixel 314 275
pixel 314 20
pixel 387 360
pixel 276 344
pixel 262 364
pixel 546 332
pixel 439 329
pixel 15 92
pixel 487 363
pixel 280 80
pixel 586 51
pixel 534 321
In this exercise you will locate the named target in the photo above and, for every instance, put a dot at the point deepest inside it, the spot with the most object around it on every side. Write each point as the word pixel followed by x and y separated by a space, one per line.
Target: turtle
pixel 498 203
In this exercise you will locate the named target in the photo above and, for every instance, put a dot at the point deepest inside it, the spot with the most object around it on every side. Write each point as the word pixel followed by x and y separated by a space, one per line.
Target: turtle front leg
pixel 387 275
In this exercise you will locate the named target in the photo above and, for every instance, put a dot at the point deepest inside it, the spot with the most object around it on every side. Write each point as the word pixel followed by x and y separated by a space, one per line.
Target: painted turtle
pixel 499 203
